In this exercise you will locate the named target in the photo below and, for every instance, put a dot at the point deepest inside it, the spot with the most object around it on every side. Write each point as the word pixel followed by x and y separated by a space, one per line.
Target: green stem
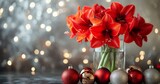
pixel 103 53
pixel 113 60
pixel 107 59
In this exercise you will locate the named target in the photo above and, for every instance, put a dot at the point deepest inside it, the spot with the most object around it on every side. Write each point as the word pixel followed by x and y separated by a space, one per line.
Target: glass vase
pixel 110 58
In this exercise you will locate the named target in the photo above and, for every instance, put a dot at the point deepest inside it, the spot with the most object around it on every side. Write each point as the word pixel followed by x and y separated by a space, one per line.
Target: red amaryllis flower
pixel 122 15
pixel 105 33
pixel 80 23
pixel 138 31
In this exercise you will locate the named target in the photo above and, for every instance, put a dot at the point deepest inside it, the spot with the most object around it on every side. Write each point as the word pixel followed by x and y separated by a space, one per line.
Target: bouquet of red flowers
pixel 102 27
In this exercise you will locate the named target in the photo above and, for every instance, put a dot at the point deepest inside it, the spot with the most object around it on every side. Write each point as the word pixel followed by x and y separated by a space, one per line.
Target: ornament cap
pixel 151 67
pixel 70 67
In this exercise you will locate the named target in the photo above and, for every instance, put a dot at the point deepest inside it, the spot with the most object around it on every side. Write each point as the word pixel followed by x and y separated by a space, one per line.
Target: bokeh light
pixel 65 61
pixel 11 8
pixel 9 62
pixel 149 62
pixel 16 39
pixel 61 3
pixel 36 51
pixel 108 0
pixel 32 4
pixel 84 49
pixel 137 59
pixel 42 52
pixel 23 56
pixel 85 61
pixel 33 69
pixel 48 43
pixel 36 60
pixel 29 17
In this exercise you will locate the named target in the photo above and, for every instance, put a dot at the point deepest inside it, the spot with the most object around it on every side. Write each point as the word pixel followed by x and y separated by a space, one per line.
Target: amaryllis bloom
pixel 105 33
pixel 138 31
pixel 80 23
pixel 122 15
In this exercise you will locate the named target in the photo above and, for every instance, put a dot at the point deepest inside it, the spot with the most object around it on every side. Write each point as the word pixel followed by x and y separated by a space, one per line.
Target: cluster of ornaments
pixel 132 75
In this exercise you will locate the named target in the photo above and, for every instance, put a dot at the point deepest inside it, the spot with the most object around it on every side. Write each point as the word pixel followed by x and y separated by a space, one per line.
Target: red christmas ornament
pixel 157 66
pixel 70 76
pixel 102 76
pixel 135 76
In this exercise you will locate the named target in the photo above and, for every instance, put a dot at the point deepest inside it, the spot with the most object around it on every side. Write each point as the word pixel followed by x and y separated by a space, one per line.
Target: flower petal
pixel 95 43
pixel 132 24
pixel 128 38
pixel 79 27
pixel 138 41
pixel 116 6
pixel 115 27
pixel 123 28
pixel 111 13
pixel 140 19
pixel 145 38
pixel 97 31
pixel 107 19
pixel 128 10
pixel 146 29
pixel 114 42
pixel 80 37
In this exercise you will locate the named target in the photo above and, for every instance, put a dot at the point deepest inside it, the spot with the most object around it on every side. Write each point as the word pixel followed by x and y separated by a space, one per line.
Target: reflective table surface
pixel 12 78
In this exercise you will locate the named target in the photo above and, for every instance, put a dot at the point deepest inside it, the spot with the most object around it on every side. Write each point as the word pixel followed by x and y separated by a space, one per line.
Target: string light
pixel 23 56
pixel 5 25
pixel 11 8
pixel 29 17
pixel 48 28
pixel 84 49
pixel 85 61
pixel 149 62
pixel 36 60
pixel 159 59
pixel 48 43
pixel 61 3
pixel 9 62
pixel 156 31
pixel 65 61
pixel 137 59
pixel 49 10
pixel 36 51
pixel 41 52
pixel 48 1
pixel 28 26
pixel 32 5
pixel 42 26
pixel 16 39
pixel 108 0
pixel 55 14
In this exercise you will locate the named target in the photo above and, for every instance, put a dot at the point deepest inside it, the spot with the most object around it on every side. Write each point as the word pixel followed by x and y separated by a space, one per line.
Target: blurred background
pixel 32 39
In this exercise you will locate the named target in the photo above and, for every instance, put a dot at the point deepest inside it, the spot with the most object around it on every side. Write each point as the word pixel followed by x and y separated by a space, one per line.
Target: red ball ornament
pixel 70 76
pixel 135 76
pixel 102 76
pixel 157 66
